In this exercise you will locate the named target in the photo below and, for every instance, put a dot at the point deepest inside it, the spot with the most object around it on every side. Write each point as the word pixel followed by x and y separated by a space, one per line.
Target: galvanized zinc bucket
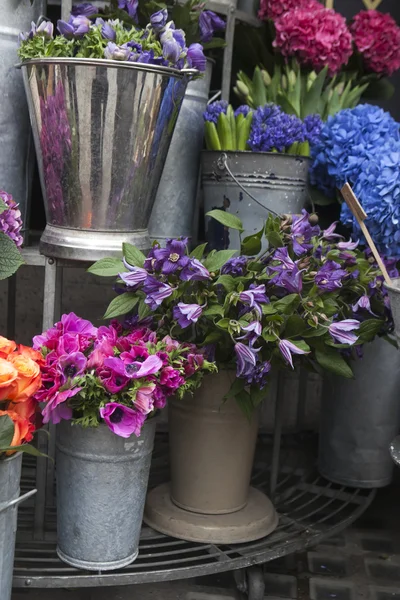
pixel 102 130
pixel 17 154
pixel 101 490
pixel 278 183
pixel 360 418
pixel 174 207
pixel 10 475
pixel 394 297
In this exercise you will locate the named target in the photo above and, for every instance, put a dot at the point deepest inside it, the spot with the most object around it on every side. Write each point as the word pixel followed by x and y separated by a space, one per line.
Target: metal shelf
pixel 310 509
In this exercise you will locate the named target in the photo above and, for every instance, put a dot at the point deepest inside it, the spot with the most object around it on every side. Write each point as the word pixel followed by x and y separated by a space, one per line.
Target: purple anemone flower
pixel 186 314
pixel 287 348
pixel 114 52
pixel 144 401
pixel 135 369
pixel 246 359
pixel 194 271
pixel 209 23
pixel 196 58
pixel 72 364
pixel 341 331
pixel 158 20
pixel 130 6
pixel 254 296
pixel 156 292
pixel 122 420
pixel 136 275
pixel 172 257
pixel 108 32
pixel 57 409
pixel 85 8
pixel 76 27
pixel 330 275
pixel 363 303
pixel 112 381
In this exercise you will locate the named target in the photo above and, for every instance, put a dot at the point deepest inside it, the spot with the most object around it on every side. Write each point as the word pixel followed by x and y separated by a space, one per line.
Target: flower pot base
pixel 256 520
pixel 85 244
pixel 96 566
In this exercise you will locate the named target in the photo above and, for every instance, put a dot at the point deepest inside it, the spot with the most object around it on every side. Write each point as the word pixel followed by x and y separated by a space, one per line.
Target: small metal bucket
pixel 360 418
pixel 101 490
pixel 102 130
pixel 174 207
pixel 250 185
pixel 394 297
pixel 10 475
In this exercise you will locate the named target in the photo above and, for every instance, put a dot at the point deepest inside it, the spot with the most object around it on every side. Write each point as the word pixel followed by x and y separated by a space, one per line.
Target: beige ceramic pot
pixel 212 447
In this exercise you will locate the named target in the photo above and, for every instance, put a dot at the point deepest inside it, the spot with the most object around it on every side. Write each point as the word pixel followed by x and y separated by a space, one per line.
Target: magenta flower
pixel 186 314
pixel 377 37
pixel 171 378
pixel 56 408
pixel 144 401
pixel 341 331
pixel 122 420
pixel 160 399
pixel 113 382
pixel 135 369
pixel 246 359
pixel 72 364
pixel 287 348
pixel 67 344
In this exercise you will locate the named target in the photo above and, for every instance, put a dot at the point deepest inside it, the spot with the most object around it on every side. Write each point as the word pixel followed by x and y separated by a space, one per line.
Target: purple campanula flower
pixel 302 232
pixel 253 331
pixel 172 257
pixel 259 375
pixel 122 420
pixel 136 275
pixel 171 50
pixel 186 314
pixel 65 29
pixel 285 262
pixel 254 296
pixel 329 234
pixel 235 266
pixel 348 245
pixel 76 27
pixel 194 271
pixel 46 28
pixel 72 364
pixel 196 58
pixel 330 275
pixel 246 359
pixel 10 219
pixel 158 20
pixel 287 348
pixel 114 52
pixel 130 6
pixel 363 303
pixel 341 331
pixel 85 8
pixel 291 281
pixel 209 23
pixel 156 292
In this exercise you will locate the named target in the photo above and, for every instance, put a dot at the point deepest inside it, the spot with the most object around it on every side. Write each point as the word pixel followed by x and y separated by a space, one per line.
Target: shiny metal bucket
pixel 174 207
pixel 277 182
pixel 101 490
pixel 17 154
pixel 394 297
pixel 102 130
pixel 360 418
pixel 10 475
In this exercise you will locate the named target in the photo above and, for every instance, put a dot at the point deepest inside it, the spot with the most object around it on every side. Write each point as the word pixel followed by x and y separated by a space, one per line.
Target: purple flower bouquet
pixel 120 375
pixel 10 236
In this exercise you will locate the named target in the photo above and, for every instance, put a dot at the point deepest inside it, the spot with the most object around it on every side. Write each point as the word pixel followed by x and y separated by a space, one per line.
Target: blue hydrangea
pixel 273 129
pixel 346 141
pixel 214 110
pixel 378 189
pixel 244 109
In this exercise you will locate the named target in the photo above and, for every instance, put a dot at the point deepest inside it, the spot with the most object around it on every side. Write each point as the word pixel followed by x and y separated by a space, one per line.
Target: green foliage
pixel 107 267
pixel 10 257
pixel 6 436
pixel 121 305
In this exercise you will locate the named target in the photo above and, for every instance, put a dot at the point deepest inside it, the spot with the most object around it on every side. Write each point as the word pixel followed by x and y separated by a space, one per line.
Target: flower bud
pixel 284 82
pixel 310 80
pixel 340 88
pixel 266 77
pixel 242 87
pixel 292 78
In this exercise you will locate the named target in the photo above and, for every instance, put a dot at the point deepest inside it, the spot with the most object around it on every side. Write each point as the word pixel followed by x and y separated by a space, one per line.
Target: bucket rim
pixel 104 62
pixel 276 155
pixel 395 287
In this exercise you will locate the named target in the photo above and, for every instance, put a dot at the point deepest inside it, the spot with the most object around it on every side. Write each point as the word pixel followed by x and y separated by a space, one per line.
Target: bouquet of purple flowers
pixel 10 236
pixel 120 375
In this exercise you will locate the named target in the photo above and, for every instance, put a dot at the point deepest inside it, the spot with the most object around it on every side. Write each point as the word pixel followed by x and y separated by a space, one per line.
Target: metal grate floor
pixel 310 509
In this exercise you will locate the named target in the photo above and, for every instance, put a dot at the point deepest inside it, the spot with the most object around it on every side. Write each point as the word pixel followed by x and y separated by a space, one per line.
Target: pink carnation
pixel 315 38
pixel 377 38
pixel 272 9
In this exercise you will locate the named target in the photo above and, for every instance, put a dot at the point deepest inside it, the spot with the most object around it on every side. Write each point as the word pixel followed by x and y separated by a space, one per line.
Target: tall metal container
pixel 360 418
pixel 10 474
pixel 102 130
pixel 101 489
pixel 17 155
pixel 276 181
pixel 173 210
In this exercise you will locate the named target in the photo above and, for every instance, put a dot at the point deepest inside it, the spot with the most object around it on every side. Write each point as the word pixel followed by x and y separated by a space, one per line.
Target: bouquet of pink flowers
pixel 120 374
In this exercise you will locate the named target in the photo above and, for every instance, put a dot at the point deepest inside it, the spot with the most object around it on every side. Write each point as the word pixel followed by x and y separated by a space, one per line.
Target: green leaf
pixel 10 257
pixel 223 323
pixel 302 345
pixel 317 332
pixel 107 267
pixel 6 431
pixel 144 310
pixel 211 338
pixel 133 255
pixel 251 244
pixel 215 261
pixel 198 252
pixel 237 386
pixel 287 304
pixel 286 105
pixel 268 309
pixel 259 95
pixel 26 448
pixel 368 330
pixel 213 310
pixel 3 206
pixel 313 95
pixel 227 219
pixel 332 361
pixel 121 305
pixel 227 281
pixel 295 325
pixel 274 239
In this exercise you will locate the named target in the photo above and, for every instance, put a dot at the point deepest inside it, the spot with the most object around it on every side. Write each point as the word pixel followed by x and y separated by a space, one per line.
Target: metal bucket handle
pixel 17 500
pixel 222 164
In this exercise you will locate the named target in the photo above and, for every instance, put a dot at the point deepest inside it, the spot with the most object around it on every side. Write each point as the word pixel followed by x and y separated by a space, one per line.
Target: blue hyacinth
pixel 273 129
pixel 214 110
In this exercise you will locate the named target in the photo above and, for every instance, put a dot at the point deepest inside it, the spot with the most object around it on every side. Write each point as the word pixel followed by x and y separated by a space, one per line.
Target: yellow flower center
pixel 174 257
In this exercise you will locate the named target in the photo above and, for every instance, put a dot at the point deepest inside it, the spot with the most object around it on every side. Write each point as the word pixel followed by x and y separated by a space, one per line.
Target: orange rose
pixel 6 347
pixel 25 409
pixel 28 380
pixel 31 353
pixel 23 429
pixel 8 375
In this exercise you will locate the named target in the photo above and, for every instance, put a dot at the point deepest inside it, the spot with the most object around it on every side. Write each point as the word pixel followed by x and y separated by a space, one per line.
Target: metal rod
pixel 66 7
pixel 228 54
pixel 11 306
pixel 277 435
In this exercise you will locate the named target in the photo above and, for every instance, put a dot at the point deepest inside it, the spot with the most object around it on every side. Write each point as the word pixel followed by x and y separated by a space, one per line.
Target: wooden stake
pixel 359 213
